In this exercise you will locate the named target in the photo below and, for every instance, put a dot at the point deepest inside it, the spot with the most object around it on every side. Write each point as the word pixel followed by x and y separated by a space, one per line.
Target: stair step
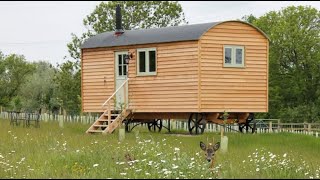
pixel 111 114
pixel 95 131
pixel 103 125
pixel 105 120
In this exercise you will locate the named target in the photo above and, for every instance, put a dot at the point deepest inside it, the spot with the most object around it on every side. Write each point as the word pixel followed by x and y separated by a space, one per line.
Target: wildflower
pixel 192 159
pixel 285 155
pixel 163 161
pixel 164 169
pixel 77 150
pixel 175 166
pixel 176 149
pixel 257 169
pixel 95 165
pixel 123 174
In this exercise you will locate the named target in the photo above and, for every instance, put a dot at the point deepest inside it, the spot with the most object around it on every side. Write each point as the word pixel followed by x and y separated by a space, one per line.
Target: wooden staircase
pixel 111 119
pixel 104 125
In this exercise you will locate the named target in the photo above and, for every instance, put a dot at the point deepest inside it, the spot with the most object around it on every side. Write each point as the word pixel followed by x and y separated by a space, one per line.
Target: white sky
pixel 41 30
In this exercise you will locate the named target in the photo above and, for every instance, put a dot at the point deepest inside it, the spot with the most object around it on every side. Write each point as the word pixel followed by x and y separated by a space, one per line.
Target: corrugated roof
pixel 147 36
pixel 152 35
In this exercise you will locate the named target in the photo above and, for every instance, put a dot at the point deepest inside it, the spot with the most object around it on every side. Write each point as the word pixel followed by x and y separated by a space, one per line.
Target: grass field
pixel 53 152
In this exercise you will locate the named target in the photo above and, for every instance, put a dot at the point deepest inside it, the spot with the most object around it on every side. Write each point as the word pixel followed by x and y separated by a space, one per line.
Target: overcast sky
pixel 41 30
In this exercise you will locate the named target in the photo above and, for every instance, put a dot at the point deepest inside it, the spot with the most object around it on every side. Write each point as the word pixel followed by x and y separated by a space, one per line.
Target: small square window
pixel 146 61
pixel 233 56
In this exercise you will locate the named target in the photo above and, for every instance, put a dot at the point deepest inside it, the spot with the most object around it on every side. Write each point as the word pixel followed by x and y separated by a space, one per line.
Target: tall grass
pixel 54 152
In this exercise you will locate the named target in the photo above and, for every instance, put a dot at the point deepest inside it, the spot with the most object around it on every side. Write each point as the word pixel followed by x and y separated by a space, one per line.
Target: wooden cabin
pixel 175 72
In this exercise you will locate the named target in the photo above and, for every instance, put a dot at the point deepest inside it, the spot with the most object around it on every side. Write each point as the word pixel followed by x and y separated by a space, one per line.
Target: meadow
pixel 54 152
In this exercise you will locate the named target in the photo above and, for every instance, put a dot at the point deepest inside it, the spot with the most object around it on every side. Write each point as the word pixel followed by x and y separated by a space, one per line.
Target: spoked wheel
pixel 156 125
pixel 196 123
pixel 250 126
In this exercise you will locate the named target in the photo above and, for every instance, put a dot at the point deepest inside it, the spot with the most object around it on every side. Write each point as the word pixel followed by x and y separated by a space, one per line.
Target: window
pixel 233 56
pixel 122 66
pixel 146 63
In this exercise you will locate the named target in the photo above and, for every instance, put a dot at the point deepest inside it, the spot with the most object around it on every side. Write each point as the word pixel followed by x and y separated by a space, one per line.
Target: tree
pixel 249 18
pixel 294 62
pixel 13 71
pixel 68 79
pixel 135 15
pixel 37 92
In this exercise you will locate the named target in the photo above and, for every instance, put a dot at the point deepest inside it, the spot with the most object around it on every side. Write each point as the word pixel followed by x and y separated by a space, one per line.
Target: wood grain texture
pixel 229 88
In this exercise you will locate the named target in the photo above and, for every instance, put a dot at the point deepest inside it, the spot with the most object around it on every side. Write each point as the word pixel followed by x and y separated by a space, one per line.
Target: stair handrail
pixel 108 100
pixel 115 93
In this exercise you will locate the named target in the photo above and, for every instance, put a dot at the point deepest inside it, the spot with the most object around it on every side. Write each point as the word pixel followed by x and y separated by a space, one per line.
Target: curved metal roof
pixel 152 35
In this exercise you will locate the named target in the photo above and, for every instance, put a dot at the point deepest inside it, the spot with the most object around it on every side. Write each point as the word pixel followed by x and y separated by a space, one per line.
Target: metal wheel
pixel 196 123
pixel 250 126
pixel 155 125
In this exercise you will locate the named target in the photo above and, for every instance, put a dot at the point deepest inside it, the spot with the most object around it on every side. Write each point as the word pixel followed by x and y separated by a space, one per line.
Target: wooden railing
pixel 125 85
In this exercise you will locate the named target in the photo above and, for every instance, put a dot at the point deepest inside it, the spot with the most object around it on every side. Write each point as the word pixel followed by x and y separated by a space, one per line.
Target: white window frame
pixel 147 73
pixel 233 56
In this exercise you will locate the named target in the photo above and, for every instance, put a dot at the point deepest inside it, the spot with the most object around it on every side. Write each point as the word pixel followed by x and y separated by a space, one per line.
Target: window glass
pixel 124 69
pixel 142 61
pixel 120 70
pixel 227 55
pixel 152 61
pixel 119 59
pixel 239 56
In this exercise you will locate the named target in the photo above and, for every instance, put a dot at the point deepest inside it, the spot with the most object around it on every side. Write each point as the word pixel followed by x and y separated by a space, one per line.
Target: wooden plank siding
pixel 229 88
pixel 97 78
pixel 173 89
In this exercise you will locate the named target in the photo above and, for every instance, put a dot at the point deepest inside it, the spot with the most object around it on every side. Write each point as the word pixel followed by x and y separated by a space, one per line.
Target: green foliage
pixel 13 72
pixel 135 14
pixel 68 80
pixel 38 90
pixel 16 103
pixel 293 62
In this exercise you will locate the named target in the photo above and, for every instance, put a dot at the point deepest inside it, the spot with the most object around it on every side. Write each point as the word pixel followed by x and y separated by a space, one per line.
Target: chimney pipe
pixel 119 29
